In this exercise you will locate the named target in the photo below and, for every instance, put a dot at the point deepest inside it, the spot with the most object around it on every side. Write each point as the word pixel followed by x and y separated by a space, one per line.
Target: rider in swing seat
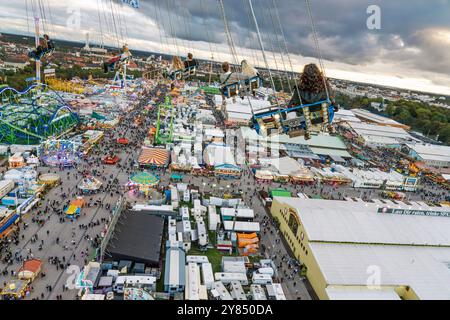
pixel 190 62
pixel 227 77
pixel 311 88
pixel 110 65
pixel 177 65
pixel 45 46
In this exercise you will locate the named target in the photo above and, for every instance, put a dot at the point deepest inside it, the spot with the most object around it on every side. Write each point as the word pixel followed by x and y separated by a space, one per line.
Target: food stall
pixel 73 210
pixel 30 270
pixel 15 290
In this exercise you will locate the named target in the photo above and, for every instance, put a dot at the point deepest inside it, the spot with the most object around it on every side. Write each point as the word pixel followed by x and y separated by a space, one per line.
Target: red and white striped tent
pixel 154 157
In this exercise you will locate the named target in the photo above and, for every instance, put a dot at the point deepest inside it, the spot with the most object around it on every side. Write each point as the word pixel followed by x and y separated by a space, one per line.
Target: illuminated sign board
pixel 430 213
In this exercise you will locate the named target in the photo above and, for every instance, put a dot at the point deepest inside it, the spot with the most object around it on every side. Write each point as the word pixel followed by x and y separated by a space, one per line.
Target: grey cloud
pixel 404 39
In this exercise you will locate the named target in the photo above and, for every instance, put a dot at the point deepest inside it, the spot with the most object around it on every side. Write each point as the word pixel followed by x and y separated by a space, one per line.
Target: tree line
pixel 431 120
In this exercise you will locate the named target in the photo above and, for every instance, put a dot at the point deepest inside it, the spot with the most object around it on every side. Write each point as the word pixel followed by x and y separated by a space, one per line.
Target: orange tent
pixel 79 202
pixel 245 240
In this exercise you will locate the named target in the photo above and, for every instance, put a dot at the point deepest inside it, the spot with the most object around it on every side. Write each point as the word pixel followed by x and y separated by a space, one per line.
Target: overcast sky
pixel 411 50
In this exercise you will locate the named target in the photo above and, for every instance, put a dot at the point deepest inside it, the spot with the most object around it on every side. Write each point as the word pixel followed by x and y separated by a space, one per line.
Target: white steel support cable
pixel 319 53
pixel 278 42
pixel 178 23
pixel 28 16
pixel 108 30
pixel 277 15
pixel 263 51
pixel 49 10
pixel 231 45
pixel 123 19
pixel 43 18
pixel 274 57
pixel 157 22
pixel 114 24
pixel 119 21
pixel 172 31
pixel 161 27
pixel 208 36
pixel 185 16
pixel 100 23
pixel 228 33
pixel 250 38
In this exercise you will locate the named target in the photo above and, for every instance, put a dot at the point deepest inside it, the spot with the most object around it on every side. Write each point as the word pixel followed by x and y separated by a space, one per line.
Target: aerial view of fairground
pixel 224 150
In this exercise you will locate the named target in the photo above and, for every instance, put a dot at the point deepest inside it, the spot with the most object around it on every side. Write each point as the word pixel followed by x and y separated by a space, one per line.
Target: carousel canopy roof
pixel 144 179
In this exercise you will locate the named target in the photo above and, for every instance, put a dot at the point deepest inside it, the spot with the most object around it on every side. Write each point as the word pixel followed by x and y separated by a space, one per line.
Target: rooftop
pixel 372 117
pixel 410 248
pixel 431 152
pixel 374 131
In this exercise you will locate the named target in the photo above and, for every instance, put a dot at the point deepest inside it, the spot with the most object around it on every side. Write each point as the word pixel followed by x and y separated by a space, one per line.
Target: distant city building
pixel 370 117
pixel 375 135
pixel 88 48
pixel 15 62
pixel 432 155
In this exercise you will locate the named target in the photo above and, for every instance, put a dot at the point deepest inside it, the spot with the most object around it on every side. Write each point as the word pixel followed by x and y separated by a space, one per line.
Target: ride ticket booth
pixel 15 290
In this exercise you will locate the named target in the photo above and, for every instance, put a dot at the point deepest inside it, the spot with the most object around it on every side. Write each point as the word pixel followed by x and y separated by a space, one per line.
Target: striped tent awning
pixel 154 156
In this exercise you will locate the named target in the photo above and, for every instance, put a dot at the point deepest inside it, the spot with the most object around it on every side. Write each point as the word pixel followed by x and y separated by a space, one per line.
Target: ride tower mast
pixel 38 61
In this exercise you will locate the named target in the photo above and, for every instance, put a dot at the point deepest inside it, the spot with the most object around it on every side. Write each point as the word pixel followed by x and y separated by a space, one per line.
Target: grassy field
pixel 214 257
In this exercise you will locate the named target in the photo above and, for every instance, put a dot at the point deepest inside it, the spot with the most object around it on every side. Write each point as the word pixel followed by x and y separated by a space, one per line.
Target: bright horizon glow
pixel 386 73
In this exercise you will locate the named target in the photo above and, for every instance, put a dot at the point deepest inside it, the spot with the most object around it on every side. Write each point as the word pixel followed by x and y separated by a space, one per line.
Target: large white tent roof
pixel 347 238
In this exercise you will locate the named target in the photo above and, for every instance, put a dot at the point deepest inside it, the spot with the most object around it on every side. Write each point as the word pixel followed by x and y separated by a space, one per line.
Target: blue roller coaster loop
pixel 25 119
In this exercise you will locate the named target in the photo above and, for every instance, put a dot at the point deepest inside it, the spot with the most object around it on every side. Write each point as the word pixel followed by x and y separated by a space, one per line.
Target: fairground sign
pixel 431 213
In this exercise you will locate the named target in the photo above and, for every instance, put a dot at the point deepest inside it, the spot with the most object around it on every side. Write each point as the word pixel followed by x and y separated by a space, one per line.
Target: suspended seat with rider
pixel 242 84
pixel 183 70
pixel 117 61
pixel 311 108
pixel 45 48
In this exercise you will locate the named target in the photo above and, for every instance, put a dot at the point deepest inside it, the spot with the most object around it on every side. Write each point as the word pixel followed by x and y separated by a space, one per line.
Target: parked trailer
pixel 228 277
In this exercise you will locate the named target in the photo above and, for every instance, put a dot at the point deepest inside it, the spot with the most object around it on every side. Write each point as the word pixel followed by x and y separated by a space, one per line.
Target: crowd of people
pixel 76 240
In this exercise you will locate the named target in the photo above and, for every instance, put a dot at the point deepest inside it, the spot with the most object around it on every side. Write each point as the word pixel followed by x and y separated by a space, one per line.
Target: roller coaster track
pixel 14 93
pixel 43 120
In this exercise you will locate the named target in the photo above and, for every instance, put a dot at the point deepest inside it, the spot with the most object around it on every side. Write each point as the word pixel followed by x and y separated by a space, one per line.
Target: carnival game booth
pixel 16 161
pixel 264 175
pixel 73 210
pixel 30 270
pixel 111 159
pixel 227 171
pixel 331 176
pixel 143 182
pixel 302 176
pixel 15 290
pixel 154 157
pixel 60 153
pixel 279 192
pixel 91 138
pixel 49 179
pixel 8 220
pixel 122 141
pixel 33 161
pixel 89 184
